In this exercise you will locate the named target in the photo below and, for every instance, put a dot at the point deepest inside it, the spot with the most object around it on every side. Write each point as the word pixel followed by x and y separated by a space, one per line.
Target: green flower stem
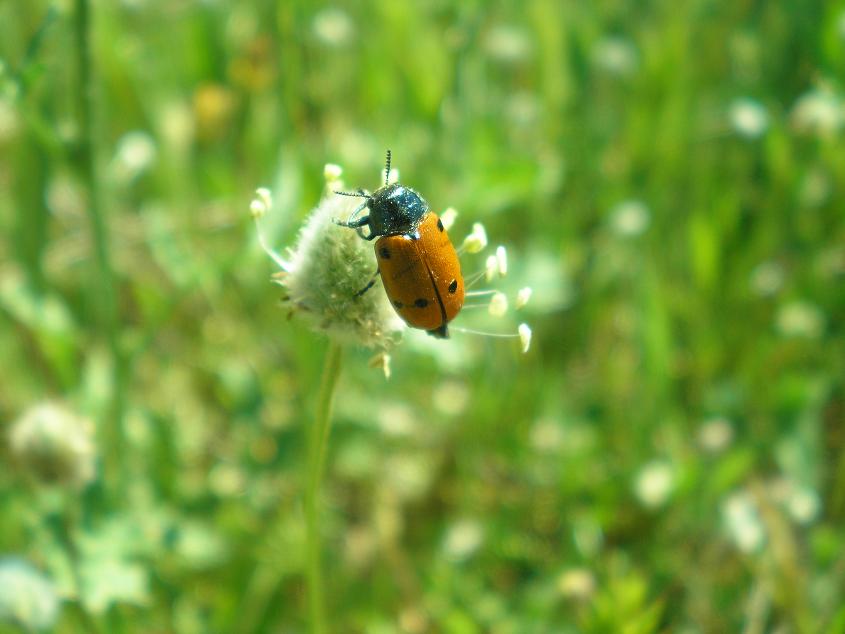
pixel 106 311
pixel 317 446
pixel 62 523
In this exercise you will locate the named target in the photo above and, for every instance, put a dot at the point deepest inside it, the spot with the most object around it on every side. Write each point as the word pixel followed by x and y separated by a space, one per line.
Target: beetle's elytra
pixel 418 264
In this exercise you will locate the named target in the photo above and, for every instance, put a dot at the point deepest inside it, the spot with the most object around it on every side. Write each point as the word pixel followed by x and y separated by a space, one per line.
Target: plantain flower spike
pixel 54 445
pixel 327 270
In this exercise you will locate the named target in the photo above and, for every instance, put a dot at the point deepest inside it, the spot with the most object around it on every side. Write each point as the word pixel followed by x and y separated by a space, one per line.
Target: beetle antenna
pixel 355 194
pixel 387 169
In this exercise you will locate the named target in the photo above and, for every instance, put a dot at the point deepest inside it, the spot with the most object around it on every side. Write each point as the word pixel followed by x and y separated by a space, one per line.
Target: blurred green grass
pixel 669 456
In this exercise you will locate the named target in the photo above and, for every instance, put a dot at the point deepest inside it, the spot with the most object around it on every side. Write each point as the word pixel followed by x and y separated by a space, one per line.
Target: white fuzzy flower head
pixel 136 152
pixel 54 445
pixel 820 111
pixel 715 435
pixel 801 319
pixel 749 118
pixel 742 522
pixel 28 598
pixel 654 484
pixel 630 218
pixel 463 539
pixel 616 56
pixel 577 583
pixel 326 271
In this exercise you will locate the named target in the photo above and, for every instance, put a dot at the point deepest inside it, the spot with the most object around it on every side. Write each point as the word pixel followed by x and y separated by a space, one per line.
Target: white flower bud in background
pixel 448 217
pixel 333 27
pixel 749 118
pixel 801 319
pixel 522 297
pixel 28 598
pixel 54 445
pixel 629 218
pixel 501 261
pixel 265 197
pixel 463 539
pixel 328 268
pixel 491 265
pixel 654 484
pixel 257 208
pixel 477 240
pixel 332 173
pixel 743 523
pixel 136 152
pixel 616 56
pixel 524 337
pixel 498 304
pixel 715 435
pixel 577 583
pixel 821 112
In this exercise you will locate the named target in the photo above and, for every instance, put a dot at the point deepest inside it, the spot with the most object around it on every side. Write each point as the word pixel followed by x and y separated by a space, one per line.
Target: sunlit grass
pixel 667 178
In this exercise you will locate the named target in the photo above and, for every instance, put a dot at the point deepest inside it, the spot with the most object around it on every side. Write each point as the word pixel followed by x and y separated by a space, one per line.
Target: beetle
pixel 419 266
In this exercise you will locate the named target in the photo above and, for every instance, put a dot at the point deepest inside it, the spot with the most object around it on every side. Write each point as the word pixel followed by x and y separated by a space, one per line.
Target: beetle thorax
pixel 395 210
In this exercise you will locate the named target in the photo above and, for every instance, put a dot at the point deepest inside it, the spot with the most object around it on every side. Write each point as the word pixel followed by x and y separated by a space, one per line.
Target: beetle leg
pixel 369 284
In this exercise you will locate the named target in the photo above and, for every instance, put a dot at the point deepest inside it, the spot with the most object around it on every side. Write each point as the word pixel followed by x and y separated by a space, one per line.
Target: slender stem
pixel 318 443
pixel 63 522
pixel 106 305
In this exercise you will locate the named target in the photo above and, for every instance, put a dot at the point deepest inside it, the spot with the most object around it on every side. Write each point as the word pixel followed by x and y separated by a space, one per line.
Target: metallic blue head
pixel 394 210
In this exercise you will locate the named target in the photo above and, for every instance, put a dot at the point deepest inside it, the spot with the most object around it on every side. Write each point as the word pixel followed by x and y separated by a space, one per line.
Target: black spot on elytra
pixel 398 304
pixel 421 302
pixel 440 224
pixel 384 252
pixel 453 286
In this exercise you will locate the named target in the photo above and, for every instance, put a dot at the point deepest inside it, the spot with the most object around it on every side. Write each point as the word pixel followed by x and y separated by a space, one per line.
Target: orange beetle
pixel 418 264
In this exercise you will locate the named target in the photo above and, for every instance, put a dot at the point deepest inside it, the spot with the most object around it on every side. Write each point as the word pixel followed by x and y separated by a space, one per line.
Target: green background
pixel 687 268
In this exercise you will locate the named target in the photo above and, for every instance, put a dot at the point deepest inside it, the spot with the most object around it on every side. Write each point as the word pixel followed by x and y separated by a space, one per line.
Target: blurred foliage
pixel 668 176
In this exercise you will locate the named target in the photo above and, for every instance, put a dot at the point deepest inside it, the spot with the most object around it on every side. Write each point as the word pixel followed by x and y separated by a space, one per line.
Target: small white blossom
pixel 743 523
pixel 498 304
pixel 715 435
pixel 332 173
pixel 507 43
pixel 333 26
pixel 577 583
pixel 265 196
pixel 463 539
pixel 477 240
pixel 55 445
pixel 629 218
pixel 136 152
pixel 502 261
pixel 820 111
pixel 654 484
pixel 803 504
pixel 800 319
pixel 616 56
pixel 524 337
pixel 448 217
pixel 491 266
pixel 749 118
pixel 522 297
pixel 28 598
pixel 257 208
pixel 767 278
